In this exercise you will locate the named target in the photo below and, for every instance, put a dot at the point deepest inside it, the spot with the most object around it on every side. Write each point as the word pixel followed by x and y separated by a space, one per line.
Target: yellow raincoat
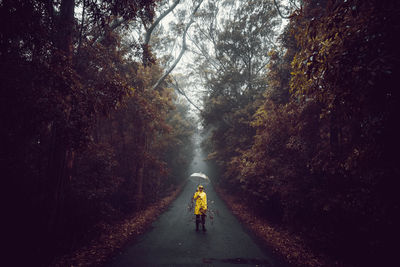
pixel 201 202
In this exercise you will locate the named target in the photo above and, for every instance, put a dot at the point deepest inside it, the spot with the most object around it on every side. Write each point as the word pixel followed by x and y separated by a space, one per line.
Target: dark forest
pixel 299 119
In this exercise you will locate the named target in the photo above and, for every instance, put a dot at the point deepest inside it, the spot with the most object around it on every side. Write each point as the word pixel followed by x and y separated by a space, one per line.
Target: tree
pixel 322 160
pixel 53 104
pixel 235 77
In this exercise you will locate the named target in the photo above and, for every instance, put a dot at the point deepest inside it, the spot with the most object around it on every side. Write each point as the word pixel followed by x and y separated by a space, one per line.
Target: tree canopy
pixel 316 146
pixel 86 138
pixel 299 112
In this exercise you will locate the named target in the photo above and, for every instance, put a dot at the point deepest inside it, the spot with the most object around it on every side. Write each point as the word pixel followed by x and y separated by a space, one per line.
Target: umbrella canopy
pixel 199 178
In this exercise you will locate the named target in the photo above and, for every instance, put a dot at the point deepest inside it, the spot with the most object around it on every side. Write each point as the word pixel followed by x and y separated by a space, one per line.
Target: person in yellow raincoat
pixel 201 207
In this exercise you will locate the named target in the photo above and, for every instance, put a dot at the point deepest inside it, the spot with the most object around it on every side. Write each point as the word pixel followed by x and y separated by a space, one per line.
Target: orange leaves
pixel 321 160
pixel 259 117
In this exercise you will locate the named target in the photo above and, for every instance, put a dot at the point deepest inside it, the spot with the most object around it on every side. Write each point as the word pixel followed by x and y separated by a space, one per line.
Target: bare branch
pixel 204 53
pixel 82 25
pixel 184 46
pixel 155 23
pixel 180 91
pixel 279 11
pixel 120 21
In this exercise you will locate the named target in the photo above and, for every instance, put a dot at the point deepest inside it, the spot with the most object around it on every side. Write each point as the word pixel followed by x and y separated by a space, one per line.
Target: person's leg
pixel 197 222
pixel 203 221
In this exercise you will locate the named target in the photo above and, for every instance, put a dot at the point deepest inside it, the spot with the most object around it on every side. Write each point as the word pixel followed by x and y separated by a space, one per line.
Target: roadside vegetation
pixel 298 101
pixel 313 147
pixel 87 139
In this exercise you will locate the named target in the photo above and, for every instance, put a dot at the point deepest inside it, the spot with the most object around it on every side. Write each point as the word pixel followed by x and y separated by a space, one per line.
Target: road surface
pixel 173 241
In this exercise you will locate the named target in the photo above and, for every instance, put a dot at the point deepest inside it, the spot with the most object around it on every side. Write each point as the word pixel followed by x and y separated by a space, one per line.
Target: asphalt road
pixel 173 241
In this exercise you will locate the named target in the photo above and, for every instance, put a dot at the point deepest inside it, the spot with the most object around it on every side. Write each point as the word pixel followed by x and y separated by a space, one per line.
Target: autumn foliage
pixel 323 157
pixel 85 141
pixel 302 127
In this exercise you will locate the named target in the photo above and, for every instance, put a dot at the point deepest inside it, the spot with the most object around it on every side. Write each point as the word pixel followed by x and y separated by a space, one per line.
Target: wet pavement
pixel 173 241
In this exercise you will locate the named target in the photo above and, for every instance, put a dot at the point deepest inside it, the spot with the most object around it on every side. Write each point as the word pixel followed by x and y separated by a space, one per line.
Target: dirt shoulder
pixel 288 247
pixel 116 236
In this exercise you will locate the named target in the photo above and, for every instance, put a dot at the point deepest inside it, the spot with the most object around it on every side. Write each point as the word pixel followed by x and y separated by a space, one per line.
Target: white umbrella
pixel 199 178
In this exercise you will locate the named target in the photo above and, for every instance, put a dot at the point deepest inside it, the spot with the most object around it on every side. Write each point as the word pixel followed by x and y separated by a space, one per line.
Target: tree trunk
pixel 139 186
pixel 60 158
pixel 335 130
pixel 66 27
pixel 140 169
pixel 55 183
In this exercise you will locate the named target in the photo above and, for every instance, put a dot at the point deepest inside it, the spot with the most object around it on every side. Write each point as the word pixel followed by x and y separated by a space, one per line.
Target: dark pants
pixel 203 220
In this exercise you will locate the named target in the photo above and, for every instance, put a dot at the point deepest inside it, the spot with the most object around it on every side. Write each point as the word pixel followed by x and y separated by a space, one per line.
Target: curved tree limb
pixel 184 46
pixel 113 25
pixel 155 23
pixel 279 11
pixel 81 26
pixel 180 91
pixel 120 21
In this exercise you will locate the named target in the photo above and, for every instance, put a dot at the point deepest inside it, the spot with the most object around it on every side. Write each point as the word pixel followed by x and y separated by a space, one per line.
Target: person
pixel 201 207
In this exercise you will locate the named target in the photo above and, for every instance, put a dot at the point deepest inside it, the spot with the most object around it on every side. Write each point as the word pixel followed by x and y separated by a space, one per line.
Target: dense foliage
pixel 323 157
pixel 303 127
pixel 84 139
pixel 235 79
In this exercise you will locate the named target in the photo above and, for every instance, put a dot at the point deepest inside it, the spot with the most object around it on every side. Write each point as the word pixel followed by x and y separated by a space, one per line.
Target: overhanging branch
pixel 180 91
pixel 184 46
pixel 155 23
